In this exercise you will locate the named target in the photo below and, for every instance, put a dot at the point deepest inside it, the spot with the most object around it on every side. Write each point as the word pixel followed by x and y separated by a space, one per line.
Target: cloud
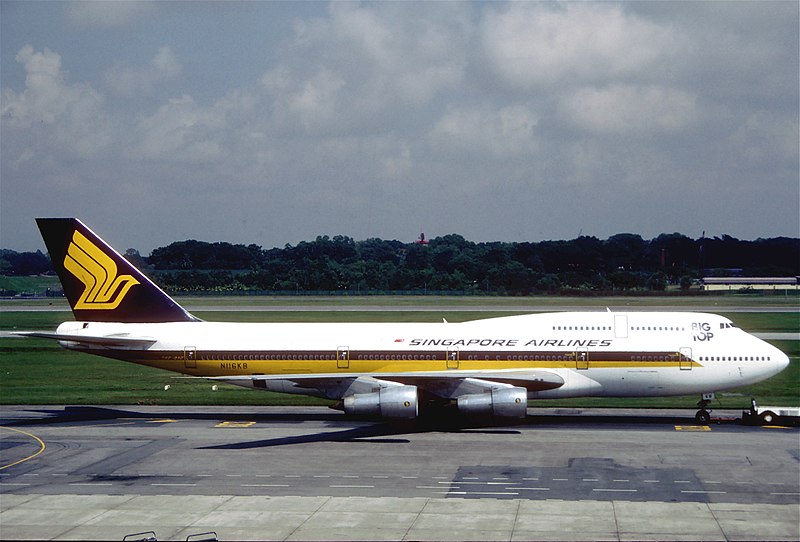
pixel 409 58
pixel 363 63
pixel 623 109
pixel 107 14
pixel 46 95
pixel 73 114
pixel 501 132
pixel 127 81
pixel 530 45
pixel 315 102
pixel 183 131
pixel 766 141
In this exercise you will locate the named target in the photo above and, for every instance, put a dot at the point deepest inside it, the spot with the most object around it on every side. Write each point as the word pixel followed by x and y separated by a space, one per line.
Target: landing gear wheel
pixel 702 417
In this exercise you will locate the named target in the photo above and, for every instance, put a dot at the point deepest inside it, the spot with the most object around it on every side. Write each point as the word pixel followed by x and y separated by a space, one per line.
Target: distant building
pixel 749 283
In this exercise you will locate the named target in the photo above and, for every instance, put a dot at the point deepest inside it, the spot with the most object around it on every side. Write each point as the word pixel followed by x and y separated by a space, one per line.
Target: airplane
pixel 396 371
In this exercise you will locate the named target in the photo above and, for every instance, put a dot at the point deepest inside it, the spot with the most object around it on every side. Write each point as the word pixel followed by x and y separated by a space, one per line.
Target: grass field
pixel 36 371
pixel 29 285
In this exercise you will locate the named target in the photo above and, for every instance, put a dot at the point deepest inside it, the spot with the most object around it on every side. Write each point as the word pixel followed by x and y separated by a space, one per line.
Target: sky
pixel 275 122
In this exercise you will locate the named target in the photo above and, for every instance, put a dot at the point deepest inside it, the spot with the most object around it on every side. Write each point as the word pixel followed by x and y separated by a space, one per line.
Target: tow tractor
pixel 771 415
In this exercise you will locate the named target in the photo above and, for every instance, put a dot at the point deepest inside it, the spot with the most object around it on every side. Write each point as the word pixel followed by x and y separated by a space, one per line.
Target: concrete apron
pixel 111 517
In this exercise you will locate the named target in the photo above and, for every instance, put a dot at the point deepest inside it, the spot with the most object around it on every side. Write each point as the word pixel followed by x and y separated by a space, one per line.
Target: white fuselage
pixel 594 353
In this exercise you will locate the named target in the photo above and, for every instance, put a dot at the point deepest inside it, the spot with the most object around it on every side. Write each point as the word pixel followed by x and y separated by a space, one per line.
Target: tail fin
pixel 101 285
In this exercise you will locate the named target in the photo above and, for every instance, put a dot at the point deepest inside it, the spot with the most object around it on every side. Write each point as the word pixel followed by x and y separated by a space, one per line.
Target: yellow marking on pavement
pixel 692 428
pixel 34 437
pixel 161 421
pixel 235 424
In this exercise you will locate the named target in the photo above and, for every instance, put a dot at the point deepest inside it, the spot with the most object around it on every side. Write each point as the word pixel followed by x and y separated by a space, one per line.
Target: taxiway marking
pixel 238 425
pixel 34 437
pixel 687 428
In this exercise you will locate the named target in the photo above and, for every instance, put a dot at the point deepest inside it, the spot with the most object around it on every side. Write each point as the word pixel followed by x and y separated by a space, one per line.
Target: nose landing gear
pixel 703 416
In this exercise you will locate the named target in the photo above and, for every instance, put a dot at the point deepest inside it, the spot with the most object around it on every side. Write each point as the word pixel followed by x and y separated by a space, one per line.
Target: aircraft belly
pixel 576 384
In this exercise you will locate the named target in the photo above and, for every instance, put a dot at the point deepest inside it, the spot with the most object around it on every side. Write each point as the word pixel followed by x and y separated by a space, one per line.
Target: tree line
pixel 451 263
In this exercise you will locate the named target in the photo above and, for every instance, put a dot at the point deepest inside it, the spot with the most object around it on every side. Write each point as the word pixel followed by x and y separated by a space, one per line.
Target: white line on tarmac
pixel 350 486
pixel 703 492
pixel 482 483
pixel 616 490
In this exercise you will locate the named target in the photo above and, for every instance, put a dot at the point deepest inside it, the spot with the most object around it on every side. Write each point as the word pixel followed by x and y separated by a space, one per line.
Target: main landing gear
pixel 703 416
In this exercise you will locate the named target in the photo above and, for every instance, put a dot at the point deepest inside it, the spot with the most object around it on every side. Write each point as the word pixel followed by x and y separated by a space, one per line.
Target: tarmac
pixel 308 473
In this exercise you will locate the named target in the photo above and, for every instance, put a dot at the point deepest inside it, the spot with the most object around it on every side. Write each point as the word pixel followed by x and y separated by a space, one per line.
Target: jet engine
pixel 501 402
pixel 398 402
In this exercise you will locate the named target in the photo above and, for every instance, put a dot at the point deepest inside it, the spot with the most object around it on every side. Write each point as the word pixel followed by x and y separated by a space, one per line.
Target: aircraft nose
pixel 779 360
pixel 782 361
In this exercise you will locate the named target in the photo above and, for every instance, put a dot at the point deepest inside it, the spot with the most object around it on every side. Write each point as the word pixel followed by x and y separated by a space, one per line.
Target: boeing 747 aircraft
pixel 392 370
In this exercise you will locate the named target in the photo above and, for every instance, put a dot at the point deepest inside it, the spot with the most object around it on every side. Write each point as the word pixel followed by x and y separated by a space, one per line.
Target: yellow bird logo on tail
pixel 104 289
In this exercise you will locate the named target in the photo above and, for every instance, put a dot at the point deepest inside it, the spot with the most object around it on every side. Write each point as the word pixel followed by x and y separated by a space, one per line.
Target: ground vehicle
pixel 768 415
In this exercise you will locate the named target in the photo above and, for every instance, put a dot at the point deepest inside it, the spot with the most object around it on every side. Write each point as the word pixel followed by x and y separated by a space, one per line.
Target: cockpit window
pixel 726 325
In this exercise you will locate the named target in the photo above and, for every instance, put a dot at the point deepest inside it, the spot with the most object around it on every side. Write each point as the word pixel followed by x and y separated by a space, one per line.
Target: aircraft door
pixel 452 358
pixel 190 357
pixel 621 326
pixel 582 358
pixel 685 358
pixel 342 357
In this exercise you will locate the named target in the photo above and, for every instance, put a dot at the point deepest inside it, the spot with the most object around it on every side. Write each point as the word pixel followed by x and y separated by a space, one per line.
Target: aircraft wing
pixel 116 340
pixel 443 384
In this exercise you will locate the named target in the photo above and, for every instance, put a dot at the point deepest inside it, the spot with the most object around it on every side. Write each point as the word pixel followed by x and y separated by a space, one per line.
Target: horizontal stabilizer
pixel 109 340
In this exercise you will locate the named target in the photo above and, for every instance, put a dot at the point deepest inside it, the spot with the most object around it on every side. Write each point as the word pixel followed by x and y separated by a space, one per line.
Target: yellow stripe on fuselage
pixel 224 367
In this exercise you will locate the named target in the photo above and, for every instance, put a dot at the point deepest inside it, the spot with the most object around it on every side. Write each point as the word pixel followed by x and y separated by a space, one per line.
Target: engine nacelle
pixel 501 402
pixel 397 402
